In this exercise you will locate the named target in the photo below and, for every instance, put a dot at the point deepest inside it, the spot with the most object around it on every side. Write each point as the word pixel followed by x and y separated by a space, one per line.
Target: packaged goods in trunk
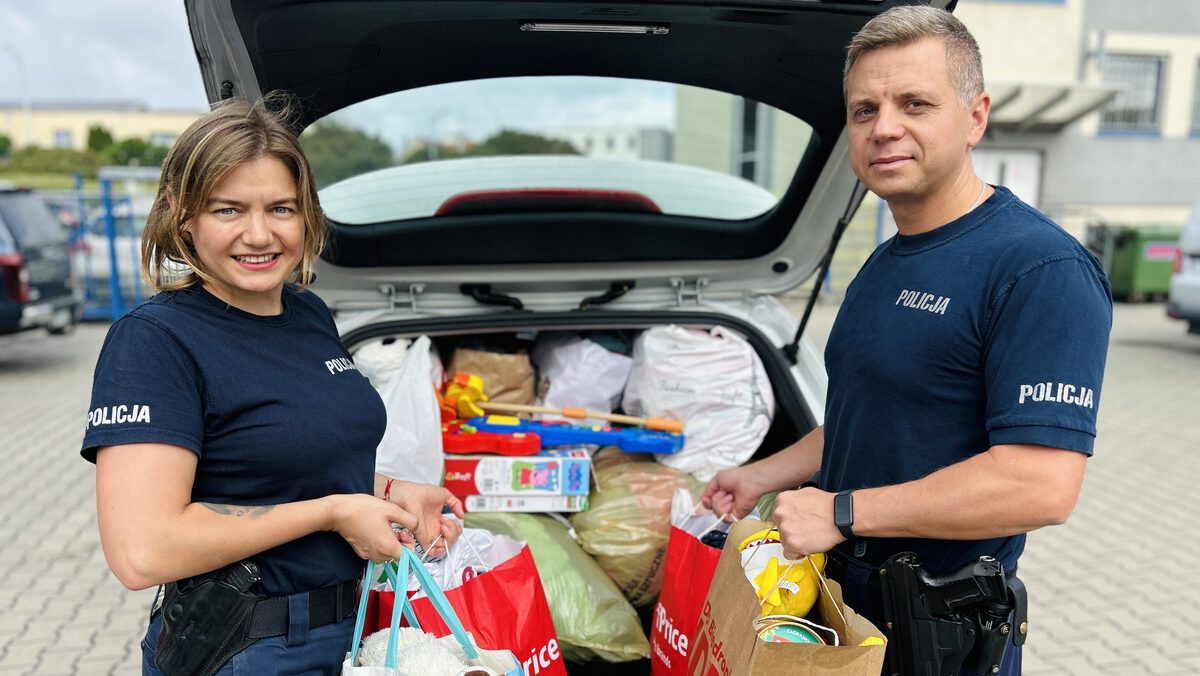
pixel 560 472
pixel 526 503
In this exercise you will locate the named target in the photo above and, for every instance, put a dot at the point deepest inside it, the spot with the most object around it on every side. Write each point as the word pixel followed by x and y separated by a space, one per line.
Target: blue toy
pixel 628 439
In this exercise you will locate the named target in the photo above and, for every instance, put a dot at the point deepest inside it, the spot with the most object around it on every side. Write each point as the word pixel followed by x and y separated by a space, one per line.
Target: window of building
pixel 160 138
pixel 1137 107
pixel 752 140
pixel 63 138
pixel 1196 103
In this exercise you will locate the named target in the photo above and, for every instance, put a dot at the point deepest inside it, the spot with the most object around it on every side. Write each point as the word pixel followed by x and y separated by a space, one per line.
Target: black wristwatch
pixel 843 513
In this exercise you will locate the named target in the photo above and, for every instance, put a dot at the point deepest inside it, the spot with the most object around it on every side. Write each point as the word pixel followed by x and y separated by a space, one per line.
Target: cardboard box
pixel 526 503
pixel 552 472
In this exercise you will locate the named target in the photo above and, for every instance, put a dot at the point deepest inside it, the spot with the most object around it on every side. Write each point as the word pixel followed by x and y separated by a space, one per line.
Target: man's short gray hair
pixel 900 26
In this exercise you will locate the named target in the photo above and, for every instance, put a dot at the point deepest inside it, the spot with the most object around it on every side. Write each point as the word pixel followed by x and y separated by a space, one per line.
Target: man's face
pixel 910 137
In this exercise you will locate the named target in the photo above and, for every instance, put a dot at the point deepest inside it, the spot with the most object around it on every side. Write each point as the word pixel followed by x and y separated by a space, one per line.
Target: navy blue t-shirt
pixel 992 329
pixel 273 407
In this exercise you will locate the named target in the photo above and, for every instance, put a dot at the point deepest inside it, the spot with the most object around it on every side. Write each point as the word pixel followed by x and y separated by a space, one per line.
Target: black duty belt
pixel 325 606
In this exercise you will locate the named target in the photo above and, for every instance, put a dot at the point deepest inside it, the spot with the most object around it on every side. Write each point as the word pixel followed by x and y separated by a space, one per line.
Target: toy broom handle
pixel 663 424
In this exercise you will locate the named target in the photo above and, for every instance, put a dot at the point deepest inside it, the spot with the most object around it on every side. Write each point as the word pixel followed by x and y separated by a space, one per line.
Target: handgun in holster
pixel 936 625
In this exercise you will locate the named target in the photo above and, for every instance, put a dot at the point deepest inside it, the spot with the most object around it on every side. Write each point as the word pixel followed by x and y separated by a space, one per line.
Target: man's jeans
pixel 319 652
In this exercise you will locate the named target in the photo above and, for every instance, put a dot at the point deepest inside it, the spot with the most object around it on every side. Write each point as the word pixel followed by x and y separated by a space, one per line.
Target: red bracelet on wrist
pixel 387 489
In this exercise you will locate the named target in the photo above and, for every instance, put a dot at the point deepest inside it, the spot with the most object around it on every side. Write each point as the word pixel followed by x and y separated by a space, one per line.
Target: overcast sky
pixel 56 50
pixel 124 49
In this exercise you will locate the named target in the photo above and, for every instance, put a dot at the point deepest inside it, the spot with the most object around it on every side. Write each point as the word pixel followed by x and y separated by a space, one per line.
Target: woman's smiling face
pixel 250 235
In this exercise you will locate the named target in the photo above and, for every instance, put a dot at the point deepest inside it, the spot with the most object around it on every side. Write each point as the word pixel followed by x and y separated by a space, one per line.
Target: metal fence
pixel 105 242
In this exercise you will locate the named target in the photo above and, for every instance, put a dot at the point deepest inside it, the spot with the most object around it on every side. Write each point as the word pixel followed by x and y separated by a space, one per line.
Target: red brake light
pixel 16 277
pixel 1178 260
pixel 524 200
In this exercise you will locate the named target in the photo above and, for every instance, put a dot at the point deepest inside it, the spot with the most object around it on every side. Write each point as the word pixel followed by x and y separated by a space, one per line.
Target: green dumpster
pixel 1142 260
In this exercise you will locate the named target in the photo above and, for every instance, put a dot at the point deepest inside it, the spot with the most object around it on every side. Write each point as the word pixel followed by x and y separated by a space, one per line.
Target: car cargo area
pixel 601 565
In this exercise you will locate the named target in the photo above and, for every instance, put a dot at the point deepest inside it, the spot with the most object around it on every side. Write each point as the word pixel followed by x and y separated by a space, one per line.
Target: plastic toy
pixel 661 424
pixel 783 586
pixel 458 401
pixel 629 439
pixel 465 398
pixel 463 438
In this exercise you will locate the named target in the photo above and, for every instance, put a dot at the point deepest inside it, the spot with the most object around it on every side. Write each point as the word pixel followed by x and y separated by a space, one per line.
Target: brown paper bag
pixel 726 643
pixel 507 378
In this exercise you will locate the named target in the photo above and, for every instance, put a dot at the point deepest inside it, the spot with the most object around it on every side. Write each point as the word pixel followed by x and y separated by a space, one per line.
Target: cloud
pixel 132 49
pixel 479 108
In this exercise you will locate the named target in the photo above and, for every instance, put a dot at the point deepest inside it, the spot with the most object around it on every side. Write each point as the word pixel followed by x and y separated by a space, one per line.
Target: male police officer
pixel 966 359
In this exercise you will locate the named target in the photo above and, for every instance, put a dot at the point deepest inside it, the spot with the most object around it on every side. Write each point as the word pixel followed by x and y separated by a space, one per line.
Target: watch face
pixel 843 509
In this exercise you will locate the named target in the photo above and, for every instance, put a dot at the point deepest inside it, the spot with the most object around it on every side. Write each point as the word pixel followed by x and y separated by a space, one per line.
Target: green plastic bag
pixel 628 521
pixel 593 620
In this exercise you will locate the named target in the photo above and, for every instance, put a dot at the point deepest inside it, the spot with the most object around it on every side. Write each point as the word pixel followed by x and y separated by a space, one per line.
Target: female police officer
pixel 220 433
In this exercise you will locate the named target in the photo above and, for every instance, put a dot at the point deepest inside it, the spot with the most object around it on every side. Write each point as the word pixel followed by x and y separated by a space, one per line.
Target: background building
pixel 65 124
pixel 632 143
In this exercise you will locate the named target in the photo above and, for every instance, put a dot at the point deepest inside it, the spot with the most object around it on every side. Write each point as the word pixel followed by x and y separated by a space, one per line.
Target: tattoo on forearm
pixel 239 510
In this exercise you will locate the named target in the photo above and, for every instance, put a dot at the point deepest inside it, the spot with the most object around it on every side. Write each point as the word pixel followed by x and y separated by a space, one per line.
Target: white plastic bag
pixel 575 372
pixel 411 448
pixel 712 381
pixel 476 551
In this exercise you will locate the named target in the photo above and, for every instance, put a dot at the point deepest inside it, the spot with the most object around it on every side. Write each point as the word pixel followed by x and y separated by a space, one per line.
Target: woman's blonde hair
pixel 233 133
pixel 904 25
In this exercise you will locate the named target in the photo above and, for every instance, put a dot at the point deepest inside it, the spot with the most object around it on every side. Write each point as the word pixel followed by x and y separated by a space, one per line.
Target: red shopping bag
pixel 687 574
pixel 504 608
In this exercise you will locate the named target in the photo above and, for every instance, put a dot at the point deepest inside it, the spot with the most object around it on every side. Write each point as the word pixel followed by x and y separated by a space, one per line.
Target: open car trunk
pixel 509 331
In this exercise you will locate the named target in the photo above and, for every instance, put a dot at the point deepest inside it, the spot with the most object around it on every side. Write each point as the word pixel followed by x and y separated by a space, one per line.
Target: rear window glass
pixel 29 220
pixel 551 143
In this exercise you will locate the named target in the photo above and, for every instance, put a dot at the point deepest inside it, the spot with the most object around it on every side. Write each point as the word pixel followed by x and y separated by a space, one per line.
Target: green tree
pixel 55 161
pixel 136 151
pixel 336 151
pixel 5 146
pixel 510 142
pixel 128 151
pixel 99 139
pixel 504 142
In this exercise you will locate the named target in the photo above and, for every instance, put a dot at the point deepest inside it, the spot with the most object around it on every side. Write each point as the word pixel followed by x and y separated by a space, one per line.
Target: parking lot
pixel 1109 592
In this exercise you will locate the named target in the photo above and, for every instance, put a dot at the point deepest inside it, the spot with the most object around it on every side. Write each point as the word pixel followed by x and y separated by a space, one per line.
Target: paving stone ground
pixel 1110 591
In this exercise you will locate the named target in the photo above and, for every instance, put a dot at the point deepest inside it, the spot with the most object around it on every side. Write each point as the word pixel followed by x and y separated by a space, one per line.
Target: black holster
pixel 938 625
pixel 205 620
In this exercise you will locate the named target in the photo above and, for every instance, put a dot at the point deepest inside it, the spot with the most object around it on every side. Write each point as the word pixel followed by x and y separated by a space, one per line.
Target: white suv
pixel 1183 300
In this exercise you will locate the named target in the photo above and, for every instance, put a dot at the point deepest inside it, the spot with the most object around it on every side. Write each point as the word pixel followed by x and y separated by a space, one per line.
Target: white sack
pixel 411 448
pixel 575 372
pixel 713 382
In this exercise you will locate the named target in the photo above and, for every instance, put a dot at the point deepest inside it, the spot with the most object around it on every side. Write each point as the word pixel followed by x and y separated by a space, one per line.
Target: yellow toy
pixel 461 394
pixel 784 586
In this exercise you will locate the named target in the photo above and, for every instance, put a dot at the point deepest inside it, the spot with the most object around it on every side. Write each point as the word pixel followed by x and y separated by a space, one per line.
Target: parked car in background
pixel 1183 299
pixel 37 288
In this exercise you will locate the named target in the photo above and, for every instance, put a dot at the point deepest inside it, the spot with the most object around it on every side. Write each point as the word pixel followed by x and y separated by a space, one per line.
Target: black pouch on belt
pixel 205 620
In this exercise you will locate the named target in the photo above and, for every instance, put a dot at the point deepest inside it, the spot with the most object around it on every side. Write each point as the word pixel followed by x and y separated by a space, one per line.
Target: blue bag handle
pixel 360 617
pixel 397 607
pixel 440 603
